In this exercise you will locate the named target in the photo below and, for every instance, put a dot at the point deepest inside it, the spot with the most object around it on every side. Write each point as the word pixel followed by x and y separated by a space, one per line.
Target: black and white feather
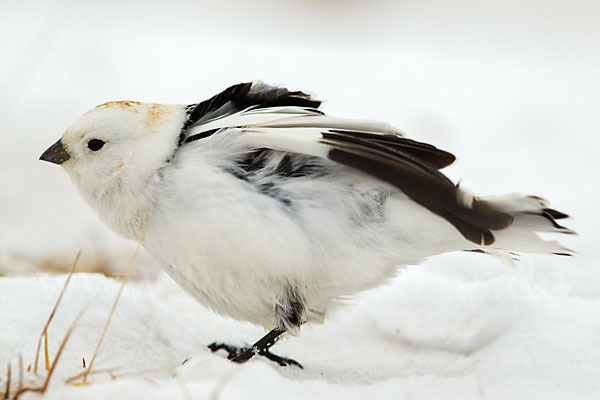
pixel 280 120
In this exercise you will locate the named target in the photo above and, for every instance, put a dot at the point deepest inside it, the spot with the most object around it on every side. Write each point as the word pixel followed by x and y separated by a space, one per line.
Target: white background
pixel 510 87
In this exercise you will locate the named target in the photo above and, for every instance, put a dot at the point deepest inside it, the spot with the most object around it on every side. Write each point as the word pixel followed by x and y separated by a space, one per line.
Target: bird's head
pixel 116 147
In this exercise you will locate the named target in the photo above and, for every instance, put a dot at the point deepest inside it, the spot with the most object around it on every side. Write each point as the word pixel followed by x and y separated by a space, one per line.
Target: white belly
pixel 237 251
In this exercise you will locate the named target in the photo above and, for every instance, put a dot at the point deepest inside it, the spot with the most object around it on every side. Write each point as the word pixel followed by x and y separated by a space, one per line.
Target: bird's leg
pixel 291 314
pixel 243 354
pixel 261 347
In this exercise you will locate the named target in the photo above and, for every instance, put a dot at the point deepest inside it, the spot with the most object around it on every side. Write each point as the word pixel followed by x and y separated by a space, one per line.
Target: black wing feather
pixel 420 180
pixel 422 151
pixel 247 95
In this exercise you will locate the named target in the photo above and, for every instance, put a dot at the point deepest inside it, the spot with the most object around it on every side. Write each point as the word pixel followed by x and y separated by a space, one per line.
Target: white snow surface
pixel 492 336
pixel 510 87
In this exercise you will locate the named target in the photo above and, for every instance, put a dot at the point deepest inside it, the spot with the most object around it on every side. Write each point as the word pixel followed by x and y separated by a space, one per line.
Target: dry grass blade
pixel 7 393
pixel 45 330
pixel 112 311
pixel 71 380
pixel 46 352
pixel 44 387
pixel 20 385
pixel 61 348
pixel 116 375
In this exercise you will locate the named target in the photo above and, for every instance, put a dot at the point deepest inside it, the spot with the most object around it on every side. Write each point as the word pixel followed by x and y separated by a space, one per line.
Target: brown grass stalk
pixel 61 348
pixel 7 393
pixel 112 311
pixel 45 330
pixel 46 353
pixel 44 387
pixel 20 385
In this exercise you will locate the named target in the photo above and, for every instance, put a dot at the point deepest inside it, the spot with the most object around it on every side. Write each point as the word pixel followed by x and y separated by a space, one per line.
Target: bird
pixel 265 209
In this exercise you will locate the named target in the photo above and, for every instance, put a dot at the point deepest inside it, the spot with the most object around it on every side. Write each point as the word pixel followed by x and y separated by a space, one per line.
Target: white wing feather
pixel 292 117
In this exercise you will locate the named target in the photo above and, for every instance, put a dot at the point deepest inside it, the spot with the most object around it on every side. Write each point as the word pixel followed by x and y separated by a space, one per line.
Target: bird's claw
pixel 232 351
pixel 283 361
pixel 243 354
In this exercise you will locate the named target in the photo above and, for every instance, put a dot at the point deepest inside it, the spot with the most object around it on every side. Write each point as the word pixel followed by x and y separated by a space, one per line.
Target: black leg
pixel 241 355
pixel 263 344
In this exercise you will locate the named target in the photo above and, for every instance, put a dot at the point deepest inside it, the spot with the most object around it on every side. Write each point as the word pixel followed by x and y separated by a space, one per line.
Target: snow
pixel 422 335
pixel 511 88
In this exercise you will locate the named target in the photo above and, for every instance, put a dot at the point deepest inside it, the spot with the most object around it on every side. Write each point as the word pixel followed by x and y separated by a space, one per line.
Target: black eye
pixel 95 144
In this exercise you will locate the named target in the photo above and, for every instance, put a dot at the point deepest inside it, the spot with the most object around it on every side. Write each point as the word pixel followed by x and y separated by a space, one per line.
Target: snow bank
pixel 425 335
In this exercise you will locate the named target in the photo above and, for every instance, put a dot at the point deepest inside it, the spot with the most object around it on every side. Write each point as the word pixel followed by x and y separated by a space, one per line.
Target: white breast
pixel 236 250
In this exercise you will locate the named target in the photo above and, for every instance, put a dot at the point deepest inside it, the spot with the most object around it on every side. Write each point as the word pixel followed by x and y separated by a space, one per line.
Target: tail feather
pixel 531 215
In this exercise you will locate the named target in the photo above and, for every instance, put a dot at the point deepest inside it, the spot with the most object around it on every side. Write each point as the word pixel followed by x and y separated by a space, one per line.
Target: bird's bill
pixel 56 154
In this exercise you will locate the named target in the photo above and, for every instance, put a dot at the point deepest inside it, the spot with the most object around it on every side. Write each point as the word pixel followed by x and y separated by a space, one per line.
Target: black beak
pixel 56 153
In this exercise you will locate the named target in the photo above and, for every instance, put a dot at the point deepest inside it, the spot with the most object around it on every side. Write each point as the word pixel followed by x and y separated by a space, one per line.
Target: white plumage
pixel 266 210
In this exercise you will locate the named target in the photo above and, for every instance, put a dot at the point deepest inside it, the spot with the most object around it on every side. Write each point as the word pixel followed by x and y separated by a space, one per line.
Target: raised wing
pixel 245 96
pixel 277 119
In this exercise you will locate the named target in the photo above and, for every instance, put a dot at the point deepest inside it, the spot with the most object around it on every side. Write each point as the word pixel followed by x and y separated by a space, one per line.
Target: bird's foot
pixel 283 361
pixel 243 354
pixel 232 351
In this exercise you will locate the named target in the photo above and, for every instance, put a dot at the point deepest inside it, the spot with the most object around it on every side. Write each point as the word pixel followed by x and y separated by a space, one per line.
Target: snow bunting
pixel 267 210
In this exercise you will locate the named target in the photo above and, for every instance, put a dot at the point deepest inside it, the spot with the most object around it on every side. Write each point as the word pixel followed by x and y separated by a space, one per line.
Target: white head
pixel 111 151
